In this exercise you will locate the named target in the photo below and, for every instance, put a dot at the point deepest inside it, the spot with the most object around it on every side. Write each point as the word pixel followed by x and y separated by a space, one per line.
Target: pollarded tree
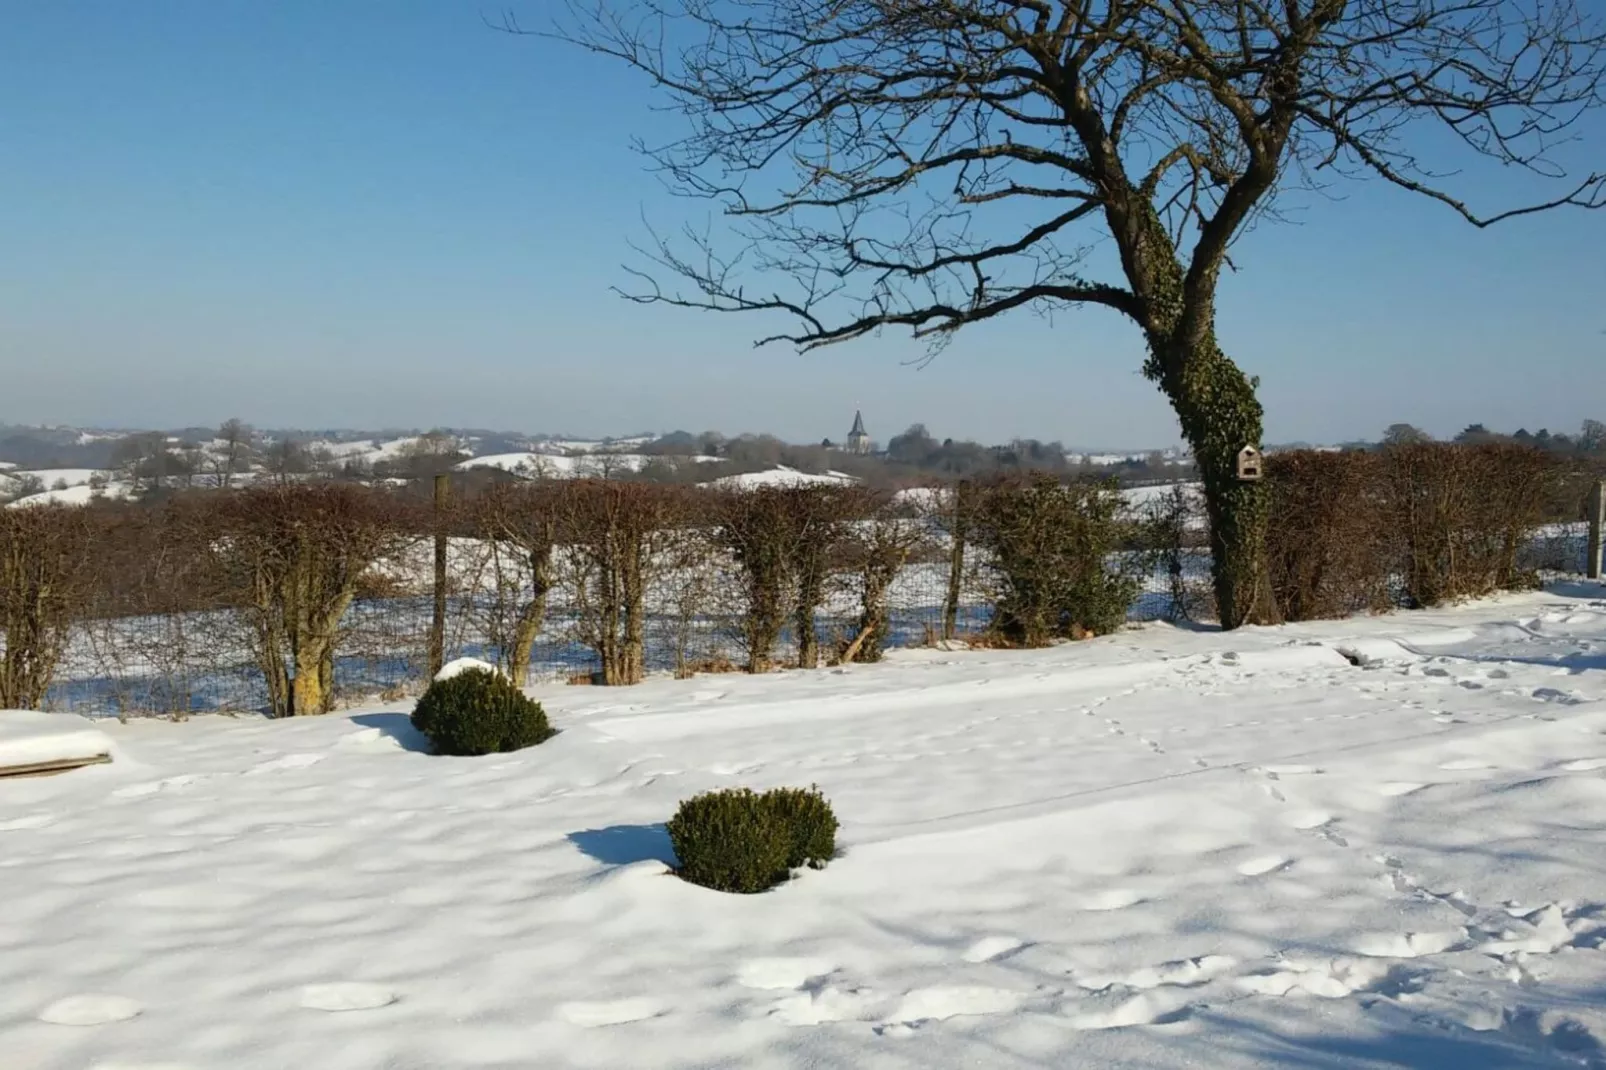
pixel 930 164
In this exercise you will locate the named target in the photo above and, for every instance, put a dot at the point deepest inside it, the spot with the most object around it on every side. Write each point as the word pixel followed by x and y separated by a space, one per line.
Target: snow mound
pixel 28 737
pixel 462 665
pixel 782 476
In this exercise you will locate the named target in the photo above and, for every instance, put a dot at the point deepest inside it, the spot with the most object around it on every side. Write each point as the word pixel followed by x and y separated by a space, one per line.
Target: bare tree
pixel 1405 435
pixel 929 164
pixel 43 588
pixel 143 461
pixel 232 454
pixel 518 524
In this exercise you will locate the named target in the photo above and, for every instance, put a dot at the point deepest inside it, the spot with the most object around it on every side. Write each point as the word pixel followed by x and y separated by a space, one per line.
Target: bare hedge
pixel 305 595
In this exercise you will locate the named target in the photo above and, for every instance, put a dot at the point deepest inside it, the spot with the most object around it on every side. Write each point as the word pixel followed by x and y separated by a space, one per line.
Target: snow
pixel 782 476
pixel 30 738
pixel 73 477
pixel 1162 848
pixel 551 466
pixel 81 494
pixel 458 666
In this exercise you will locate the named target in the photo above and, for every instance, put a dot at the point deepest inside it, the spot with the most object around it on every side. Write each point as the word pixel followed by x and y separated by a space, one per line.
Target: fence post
pixel 437 625
pixel 1597 520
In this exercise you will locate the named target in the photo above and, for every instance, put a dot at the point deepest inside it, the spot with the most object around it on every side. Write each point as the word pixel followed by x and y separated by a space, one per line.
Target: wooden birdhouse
pixel 1249 464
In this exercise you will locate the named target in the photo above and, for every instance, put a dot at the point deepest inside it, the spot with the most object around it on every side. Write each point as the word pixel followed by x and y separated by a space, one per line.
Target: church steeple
pixel 858 438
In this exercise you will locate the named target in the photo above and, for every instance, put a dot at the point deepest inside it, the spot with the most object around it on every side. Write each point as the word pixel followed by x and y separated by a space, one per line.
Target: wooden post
pixel 1597 520
pixel 437 626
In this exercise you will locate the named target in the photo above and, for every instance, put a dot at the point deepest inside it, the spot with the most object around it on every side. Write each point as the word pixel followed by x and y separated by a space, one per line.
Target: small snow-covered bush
pixel 479 712
pixel 738 841
pixel 809 822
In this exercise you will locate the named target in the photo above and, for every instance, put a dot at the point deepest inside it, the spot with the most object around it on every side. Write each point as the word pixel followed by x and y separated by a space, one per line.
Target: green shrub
pixel 1054 550
pixel 479 712
pixel 809 823
pixel 731 841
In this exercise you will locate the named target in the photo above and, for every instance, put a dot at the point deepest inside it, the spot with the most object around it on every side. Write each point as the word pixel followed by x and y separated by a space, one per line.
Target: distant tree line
pixel 914 456
pixel 1590 439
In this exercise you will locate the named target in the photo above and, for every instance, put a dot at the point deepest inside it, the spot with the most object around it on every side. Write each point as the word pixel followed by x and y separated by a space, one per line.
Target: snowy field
pixel 1377 842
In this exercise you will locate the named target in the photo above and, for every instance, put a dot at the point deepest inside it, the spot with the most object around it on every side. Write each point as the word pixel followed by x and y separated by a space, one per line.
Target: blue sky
pixel 385 214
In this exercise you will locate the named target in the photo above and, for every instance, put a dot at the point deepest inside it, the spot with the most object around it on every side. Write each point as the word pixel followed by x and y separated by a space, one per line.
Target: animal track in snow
pixel 1275 771
pixel 1112 899
pixel 1185 973
pixel 346 996
pixel 27 821
pixel 611 1012
pixel 1262 865
pixel 771 974
pixel 1551 694
pixel 288 761
pixel 942 1002
pixel 734 768
pixel 1145 1008
pixel 89 1010
pixel 1334 979
pixel 135 791
pixel 1408 945
pixel 1465 765
pixel 989 948
pixel 827 1004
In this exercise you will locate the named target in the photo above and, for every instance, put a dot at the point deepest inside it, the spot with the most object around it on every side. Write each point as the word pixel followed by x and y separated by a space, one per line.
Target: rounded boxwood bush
pixel 729 841
pixel 738 841
pixel 479 712
pixel 809 822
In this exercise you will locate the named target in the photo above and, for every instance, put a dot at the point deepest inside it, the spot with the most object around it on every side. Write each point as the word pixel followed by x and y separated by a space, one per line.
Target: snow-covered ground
pixel 1377 842
pixel 552 466
pixel 782 476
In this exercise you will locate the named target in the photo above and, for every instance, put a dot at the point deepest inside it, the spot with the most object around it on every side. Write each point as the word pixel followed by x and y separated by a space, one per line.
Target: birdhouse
pixel 1249 466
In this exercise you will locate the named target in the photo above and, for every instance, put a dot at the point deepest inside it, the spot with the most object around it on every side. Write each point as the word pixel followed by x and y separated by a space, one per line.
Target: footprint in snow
pixel 135 791
pixel 346 996
pixel 1112 899
pixel 939 1003
pixel 611 1012
pixel 825 1004
pixel 288 761
pixel 1183 973
pixel 27 821
pixel 90 1010
pixel 776 974
pixel 1262 865
pixel 1407 945
pixel 989 948
pixel 1145 1008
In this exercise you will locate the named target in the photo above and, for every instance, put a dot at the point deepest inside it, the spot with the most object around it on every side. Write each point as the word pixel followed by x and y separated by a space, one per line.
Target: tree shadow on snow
pixel 621 845
pixel 397 726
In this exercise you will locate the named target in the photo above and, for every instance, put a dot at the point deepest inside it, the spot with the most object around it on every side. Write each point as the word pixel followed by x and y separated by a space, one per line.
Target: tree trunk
pixel 1220 415
pixel 810 593
pixel 634 666
pixel 956 561
pixel 308 694
pixel 531 618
